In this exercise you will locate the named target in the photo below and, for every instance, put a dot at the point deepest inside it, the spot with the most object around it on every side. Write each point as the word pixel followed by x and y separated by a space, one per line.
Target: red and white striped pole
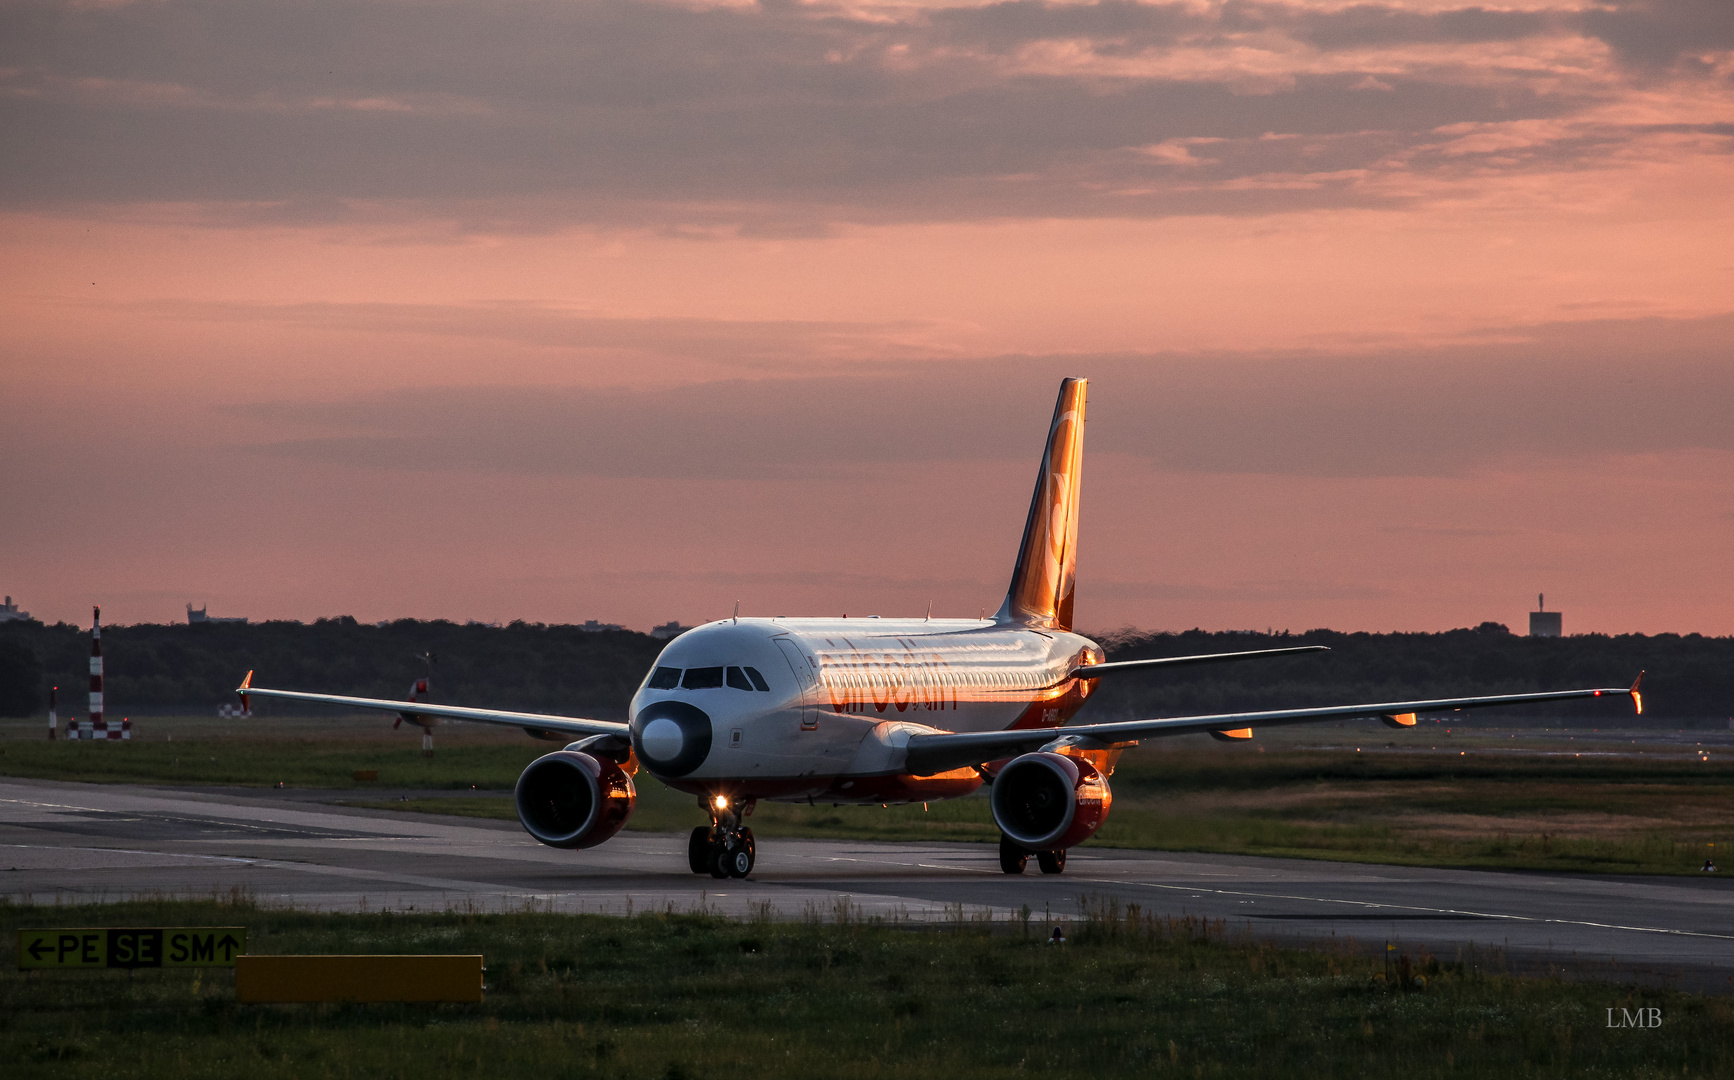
pixel 96 668
pixel 53 717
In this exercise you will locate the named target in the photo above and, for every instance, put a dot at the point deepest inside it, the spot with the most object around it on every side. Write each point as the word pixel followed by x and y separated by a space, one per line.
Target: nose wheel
pixel 733 858
pixel 724 849
pixel 698 849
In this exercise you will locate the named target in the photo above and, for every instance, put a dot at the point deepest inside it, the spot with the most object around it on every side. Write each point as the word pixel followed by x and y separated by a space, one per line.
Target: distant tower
pixel 96 668
pixel 1543 623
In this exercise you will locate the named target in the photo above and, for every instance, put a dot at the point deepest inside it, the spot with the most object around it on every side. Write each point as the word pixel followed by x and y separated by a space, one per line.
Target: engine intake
pixel 569 799
pixel 1049 802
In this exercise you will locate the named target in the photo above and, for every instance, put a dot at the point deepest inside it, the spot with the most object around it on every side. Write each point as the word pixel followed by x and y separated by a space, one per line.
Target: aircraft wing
pixel 929 754
pixel 1096 671
pixel 574 726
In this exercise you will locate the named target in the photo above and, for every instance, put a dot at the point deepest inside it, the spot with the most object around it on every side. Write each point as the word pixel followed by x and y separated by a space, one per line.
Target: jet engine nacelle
pixel 570 799
pixel 1049 802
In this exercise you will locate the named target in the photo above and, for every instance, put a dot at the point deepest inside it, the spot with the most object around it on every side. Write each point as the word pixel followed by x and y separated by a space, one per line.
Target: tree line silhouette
pixel 180 668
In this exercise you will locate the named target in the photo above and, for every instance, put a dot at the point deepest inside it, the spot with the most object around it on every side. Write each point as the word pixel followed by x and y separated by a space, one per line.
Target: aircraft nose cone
pixel 672 738
pixel 663 739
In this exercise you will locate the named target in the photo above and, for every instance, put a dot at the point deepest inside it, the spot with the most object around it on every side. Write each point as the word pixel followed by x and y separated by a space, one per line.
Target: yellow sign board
pixel 358 978
pixel 131 947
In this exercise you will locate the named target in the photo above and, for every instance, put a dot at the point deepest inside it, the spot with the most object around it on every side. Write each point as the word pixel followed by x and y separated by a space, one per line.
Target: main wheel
pixel 1052 862
pixel 698 849
pixel 1012 859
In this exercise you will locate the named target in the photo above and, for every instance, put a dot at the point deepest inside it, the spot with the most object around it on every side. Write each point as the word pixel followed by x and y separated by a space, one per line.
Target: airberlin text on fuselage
pixel 857 681
pixel 911 677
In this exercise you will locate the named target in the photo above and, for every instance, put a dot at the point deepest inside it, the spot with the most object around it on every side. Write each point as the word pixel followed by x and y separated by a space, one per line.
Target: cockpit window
pixel 702 678
pixel 707 678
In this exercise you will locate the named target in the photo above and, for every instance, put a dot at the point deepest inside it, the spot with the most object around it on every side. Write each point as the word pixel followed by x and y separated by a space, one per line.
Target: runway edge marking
pixel 1412 907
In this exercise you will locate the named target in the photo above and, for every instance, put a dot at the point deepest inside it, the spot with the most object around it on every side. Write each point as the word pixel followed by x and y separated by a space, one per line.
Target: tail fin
pixel 1041 586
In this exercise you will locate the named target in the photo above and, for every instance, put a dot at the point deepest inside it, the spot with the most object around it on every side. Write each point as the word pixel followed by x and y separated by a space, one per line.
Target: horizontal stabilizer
pixel 1119 667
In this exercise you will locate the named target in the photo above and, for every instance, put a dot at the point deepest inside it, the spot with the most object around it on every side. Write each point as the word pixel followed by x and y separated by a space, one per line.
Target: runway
pixel 85 842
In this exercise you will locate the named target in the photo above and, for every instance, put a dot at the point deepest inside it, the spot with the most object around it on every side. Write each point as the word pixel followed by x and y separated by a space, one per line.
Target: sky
pixel 1396 313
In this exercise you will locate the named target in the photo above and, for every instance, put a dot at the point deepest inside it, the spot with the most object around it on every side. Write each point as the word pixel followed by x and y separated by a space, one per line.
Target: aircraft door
pixel 805 670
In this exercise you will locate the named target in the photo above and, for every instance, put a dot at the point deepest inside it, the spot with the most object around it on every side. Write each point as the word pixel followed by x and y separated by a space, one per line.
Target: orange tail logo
pixel 1041 587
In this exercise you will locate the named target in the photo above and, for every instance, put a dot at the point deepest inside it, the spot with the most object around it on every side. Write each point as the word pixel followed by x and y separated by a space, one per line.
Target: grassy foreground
pixel 675 996
pixel 1663 813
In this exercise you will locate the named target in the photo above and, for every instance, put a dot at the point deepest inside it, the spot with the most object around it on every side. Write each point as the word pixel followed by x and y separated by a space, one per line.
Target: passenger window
pixel 738 679
pixel 664 678
pixel 703 678
pixel 759 682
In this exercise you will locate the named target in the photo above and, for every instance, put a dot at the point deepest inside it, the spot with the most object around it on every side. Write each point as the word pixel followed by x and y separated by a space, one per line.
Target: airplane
pixel 878 710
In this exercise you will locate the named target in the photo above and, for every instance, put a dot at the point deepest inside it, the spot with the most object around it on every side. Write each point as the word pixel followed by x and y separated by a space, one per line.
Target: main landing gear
pixel 1013 859
pixel 724 848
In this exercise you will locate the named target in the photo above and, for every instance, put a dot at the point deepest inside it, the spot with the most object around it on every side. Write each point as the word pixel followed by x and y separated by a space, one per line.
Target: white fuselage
pixel 838 698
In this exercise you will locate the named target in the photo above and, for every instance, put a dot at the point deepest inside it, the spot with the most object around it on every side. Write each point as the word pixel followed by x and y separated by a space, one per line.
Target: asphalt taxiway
pixel 83 842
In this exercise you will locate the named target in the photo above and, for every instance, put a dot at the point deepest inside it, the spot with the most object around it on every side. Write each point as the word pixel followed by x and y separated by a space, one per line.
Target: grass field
pixel 669 996
pixel 1485 809
pixel 1501 804
pixel 168 751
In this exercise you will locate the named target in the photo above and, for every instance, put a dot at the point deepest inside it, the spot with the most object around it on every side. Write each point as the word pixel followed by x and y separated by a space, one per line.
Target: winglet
pixel 241 692
pixel 418 692
pixel 1637 698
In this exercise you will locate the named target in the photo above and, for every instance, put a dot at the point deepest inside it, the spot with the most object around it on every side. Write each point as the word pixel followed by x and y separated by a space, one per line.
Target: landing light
pixel 722 802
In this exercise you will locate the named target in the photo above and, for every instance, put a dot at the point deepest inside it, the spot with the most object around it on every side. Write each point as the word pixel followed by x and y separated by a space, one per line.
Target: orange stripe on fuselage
pixel 1055 705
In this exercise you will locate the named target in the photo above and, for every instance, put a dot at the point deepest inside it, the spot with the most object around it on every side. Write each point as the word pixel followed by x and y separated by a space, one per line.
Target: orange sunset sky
pixel 1396 312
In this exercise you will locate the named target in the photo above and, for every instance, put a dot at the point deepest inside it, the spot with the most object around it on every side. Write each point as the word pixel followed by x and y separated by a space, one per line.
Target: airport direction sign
pixel 131 947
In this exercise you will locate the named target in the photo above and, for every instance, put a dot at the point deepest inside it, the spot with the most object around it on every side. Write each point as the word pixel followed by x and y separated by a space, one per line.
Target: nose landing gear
pixel 734 856
pixel 723 849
